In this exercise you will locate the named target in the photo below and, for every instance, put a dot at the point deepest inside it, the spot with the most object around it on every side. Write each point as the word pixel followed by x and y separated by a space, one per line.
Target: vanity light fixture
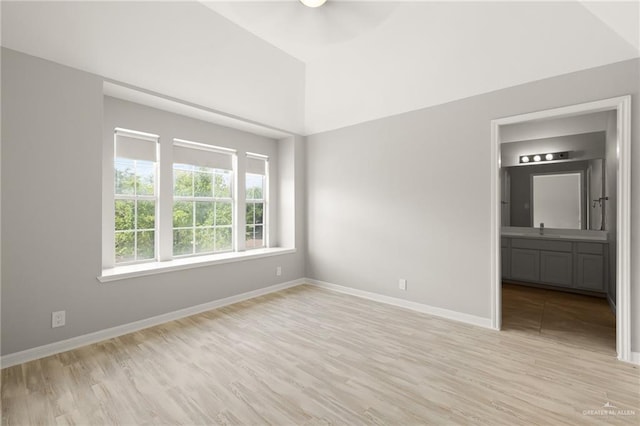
pixel 313 3
pixel 539 158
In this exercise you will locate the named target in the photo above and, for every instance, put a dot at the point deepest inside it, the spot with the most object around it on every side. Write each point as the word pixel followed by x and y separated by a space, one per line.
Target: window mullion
pixel 193 225
pixel 164 226
pixel 215 214
pixel 135 211
pixel 135 230
pixel 240 220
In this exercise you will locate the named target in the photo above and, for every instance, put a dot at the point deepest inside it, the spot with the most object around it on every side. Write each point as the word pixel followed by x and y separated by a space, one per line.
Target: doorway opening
pixel 586 250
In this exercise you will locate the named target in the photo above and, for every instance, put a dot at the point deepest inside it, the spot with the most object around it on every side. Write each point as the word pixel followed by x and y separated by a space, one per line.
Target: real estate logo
pixel 608 409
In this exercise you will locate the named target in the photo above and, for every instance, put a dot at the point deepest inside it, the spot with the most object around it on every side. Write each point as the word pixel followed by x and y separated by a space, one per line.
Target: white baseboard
pixel 635 358
pixel 415 306
pixel 98 336
pixel 109 333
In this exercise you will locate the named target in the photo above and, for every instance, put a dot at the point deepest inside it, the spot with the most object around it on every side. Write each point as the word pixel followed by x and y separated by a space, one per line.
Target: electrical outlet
pixel 402 284
pixel 58 319
pixel 278 270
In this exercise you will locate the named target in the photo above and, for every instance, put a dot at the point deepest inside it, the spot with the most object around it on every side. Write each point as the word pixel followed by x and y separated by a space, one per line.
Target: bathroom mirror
pixel 557 200
pixel 560 195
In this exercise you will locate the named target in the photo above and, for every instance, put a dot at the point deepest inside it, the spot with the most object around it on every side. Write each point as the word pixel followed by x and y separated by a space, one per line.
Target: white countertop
pixel 555 234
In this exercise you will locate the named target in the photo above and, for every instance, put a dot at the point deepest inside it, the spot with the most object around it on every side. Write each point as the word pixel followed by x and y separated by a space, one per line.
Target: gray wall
pixel 521 189
pixel 555 127
pixel 408 196
pixel 51 218
pixel 402 197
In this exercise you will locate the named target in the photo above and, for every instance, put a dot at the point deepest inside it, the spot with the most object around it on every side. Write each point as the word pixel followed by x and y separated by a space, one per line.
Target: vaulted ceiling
pixel 310 70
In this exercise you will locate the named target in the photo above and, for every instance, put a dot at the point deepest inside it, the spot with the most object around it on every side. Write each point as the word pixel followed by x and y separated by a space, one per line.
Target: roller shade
pixel 129 145
pixel 256 164
pixel 203 155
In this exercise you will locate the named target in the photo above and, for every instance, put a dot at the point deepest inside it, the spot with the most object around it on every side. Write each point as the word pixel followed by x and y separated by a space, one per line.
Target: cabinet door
pixel 506 263
pixel 556 268
pixel 590 272
pixel 525 265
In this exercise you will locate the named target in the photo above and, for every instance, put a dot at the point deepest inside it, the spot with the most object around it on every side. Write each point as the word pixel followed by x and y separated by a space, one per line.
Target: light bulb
pixel 525 159
pixel 313 3
pixel 537 158
pixel 549 157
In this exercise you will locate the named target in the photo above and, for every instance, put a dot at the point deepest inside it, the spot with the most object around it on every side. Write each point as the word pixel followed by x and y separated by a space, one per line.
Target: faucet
pixel 541 228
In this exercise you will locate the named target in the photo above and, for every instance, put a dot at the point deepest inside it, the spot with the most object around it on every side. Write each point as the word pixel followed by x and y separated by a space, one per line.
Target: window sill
pixel 152 268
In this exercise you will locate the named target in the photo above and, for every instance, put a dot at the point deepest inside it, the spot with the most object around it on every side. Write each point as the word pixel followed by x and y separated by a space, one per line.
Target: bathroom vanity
pixel 555 213
pixel 573 261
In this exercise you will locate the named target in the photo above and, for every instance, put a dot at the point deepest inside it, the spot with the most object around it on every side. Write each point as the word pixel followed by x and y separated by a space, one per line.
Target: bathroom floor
pixel 574 319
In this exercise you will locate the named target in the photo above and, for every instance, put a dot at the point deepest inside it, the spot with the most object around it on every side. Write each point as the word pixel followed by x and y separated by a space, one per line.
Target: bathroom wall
pixel 555 127
pixel 589 136
pixel 584 146
pixel 596 174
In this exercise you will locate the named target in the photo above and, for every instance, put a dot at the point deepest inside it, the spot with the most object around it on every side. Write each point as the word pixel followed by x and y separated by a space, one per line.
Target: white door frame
pixel 622 105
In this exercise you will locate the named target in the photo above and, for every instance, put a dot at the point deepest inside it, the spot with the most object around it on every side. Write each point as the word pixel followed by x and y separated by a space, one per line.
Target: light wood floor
pixel 310 356
pixel 576 319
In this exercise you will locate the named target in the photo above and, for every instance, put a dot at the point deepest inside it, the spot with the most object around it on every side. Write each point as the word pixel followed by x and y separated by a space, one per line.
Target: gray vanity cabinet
pixel 561 263
pixel 506 257
pixel 590 272
pixel 556 268
pixel 525 264
pixel 591 266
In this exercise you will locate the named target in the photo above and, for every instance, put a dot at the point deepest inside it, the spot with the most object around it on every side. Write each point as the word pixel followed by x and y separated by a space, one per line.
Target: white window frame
pixel 193 199
pixel 111 248
pixel 164 259
pixel 264 200
pixel 135 198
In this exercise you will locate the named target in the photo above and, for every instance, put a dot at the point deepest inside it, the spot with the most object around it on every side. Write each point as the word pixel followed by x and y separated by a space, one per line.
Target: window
pixel 176 200
pixel 135 196
pixel 202 199
pixel 256 201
